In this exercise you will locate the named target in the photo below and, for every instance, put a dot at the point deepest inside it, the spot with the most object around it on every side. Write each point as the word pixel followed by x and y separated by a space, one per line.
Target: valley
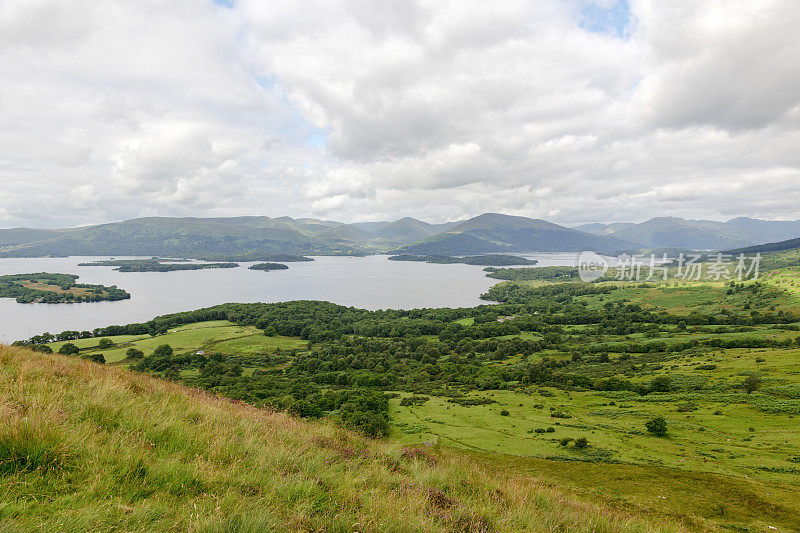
pixel 559 380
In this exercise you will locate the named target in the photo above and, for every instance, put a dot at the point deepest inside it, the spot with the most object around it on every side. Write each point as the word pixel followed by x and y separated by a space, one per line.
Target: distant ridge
pixel 790 244
pixel 673 232
pixel 494 232
pixel 257 236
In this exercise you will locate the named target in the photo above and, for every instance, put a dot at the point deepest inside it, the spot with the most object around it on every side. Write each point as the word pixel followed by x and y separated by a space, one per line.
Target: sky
pixel 573 111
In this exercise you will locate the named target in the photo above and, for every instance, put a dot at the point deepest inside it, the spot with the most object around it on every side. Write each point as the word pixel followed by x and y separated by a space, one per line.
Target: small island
pixel 56 289
pixel 268 266
pixel 548 273
pixel 156 265
pixel 479 260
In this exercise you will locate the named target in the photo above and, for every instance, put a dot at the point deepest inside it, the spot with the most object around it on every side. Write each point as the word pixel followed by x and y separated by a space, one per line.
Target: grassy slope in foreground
pixel 88 447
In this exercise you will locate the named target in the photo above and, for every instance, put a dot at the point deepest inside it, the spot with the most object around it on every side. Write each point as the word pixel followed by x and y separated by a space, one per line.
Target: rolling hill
pixel 85 447
pixel 215 237
pixel 493 233
pixel 487 233
pixel 186 237
pixel 673 232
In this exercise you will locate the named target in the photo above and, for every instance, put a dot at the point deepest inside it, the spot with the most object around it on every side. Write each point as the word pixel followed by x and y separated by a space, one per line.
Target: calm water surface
pixel 366 282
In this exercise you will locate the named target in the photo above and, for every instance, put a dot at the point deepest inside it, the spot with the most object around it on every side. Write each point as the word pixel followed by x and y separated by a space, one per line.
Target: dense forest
pixel 268 266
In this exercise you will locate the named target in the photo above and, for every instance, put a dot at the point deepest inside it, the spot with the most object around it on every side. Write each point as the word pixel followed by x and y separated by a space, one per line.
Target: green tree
pixel 661 384
pixel 68 349
pixel 134 353
pixel 751 383
pixel 164 350
pixel 105 344
pixel 657 426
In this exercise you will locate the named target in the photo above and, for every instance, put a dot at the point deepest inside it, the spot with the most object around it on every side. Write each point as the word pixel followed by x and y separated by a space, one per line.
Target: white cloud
pixel 433 109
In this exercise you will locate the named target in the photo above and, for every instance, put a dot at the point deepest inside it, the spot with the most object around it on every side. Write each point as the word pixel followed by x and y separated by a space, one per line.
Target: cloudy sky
pixel 569 110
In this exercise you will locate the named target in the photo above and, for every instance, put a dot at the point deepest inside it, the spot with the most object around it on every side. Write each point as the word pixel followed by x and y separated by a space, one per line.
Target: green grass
pixel 88 447
pixel 219 336
pixel 258 344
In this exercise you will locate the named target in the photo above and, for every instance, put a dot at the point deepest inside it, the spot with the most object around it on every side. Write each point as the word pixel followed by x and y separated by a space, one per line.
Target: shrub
pixel 105 344
pixel 581 442
pixel 504 412
pixel 164 350
pixel 68 349
pixel 418 453
pixel 134 353
pixel 413 400
pixel 657 426
pixel 565 441
pixel 95 357
pixel 751 383
pixel 661 384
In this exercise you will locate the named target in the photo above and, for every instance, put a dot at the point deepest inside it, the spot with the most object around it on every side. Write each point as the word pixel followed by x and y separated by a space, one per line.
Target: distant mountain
pixel 673 232
pixel 209 237
pixel 188 237
pixel 14 236
pixel 492 233
pixel 598 228
pixel 790 244
pixel 774 254
pixel 403 231
pixel 487 233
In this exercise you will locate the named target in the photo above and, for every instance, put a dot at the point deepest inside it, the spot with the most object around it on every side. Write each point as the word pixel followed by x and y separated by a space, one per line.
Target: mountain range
pixel 486 233
pixel 672 232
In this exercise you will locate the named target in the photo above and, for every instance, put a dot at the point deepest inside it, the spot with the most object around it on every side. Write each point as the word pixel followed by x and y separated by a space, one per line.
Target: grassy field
pixel 38 286
pixel 88 447
pixel 218 336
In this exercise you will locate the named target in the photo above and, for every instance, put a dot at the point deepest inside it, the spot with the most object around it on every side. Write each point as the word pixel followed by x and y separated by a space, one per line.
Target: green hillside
pixel 674 232
pixel 85 447
pixel 496 233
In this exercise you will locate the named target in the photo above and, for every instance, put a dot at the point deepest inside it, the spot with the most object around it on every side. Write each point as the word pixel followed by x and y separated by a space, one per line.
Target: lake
pixel 371 282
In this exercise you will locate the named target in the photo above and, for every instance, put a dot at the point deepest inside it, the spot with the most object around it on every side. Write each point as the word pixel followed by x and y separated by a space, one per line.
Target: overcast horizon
pixel 572 111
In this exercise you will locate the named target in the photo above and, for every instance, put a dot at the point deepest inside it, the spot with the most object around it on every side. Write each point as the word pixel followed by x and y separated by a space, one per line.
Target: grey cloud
pixel 438 110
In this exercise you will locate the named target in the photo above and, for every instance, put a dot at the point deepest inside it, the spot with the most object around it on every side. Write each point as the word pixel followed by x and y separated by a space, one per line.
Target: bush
pixel 413 400
pixel 661 384
pixel 105 344
pixel 504 412
pixel 165 350
pixel 751 383
pixel 134 353
pixel 657 426
pixel 581 442
pixel 95 357
pixel 68 349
